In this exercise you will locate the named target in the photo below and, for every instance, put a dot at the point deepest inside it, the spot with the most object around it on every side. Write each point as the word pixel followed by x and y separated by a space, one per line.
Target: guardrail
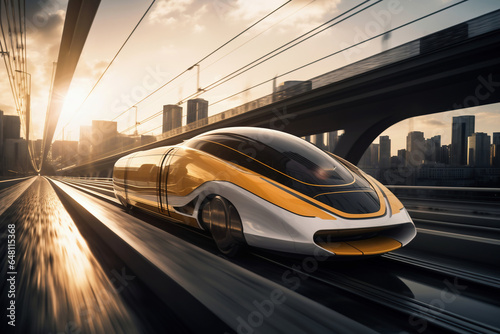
pixel 469 193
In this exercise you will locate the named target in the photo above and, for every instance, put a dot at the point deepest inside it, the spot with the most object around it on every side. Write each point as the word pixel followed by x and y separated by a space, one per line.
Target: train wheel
pixel 225 226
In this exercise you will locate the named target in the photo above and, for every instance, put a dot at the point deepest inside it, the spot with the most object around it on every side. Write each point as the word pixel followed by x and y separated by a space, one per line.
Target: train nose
pixel 362 241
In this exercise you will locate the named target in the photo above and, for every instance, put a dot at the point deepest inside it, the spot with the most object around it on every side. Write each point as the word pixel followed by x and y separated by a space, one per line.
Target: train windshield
pixel 293 162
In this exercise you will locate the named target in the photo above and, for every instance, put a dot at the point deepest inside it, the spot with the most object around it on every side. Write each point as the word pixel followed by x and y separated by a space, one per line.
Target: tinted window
pixel 295 159
pixel 292 162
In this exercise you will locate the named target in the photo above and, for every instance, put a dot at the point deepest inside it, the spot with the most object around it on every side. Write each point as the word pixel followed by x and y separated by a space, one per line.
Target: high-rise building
pixel 462 128
pixel 196 109
pixel 415 148
pixel 104 136
pixel 85 143
pixel 15 156
pixel 433 149
pixel 384 154
pixel 172 117
pixel 445 154
pixel 370 157
pixel 495 150
pixel 478 154
pixel 496 138
pixel 401 157
pixel 64 150
pixel 11 127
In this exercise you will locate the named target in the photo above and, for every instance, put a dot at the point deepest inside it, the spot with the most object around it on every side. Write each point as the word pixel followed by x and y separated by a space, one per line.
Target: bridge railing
pixel 449 193
pixel 456 34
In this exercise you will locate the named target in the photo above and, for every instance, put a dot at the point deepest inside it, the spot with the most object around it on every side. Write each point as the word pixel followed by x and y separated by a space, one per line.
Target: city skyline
pixel 166 46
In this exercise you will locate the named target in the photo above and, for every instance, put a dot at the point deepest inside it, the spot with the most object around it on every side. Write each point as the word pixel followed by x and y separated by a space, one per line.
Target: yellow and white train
pixel 266 189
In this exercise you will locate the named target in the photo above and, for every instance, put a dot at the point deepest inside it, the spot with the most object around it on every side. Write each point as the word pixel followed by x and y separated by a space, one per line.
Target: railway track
pixel 441 305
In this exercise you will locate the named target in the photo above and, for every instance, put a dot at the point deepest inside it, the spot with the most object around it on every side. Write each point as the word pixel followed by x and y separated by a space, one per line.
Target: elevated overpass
pixel 451 69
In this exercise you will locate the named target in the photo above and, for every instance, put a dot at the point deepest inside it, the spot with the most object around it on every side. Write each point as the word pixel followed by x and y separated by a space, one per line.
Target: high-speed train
pixel 268 189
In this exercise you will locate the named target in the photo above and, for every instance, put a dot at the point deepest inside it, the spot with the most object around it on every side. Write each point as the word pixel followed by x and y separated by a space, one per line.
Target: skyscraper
pixel 370 157
pixel 196 109
pixel 496 138
pixel 384 154
pixel 433 149
pixel 84 143
pixel 495 150
pixel 104 136
pixel 415 148
pixel 11 127
pixel 462 128
pixel 172 117
pixel 478 154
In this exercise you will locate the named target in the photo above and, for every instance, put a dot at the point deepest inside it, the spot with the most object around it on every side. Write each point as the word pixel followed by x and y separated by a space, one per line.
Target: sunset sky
pixel 176 34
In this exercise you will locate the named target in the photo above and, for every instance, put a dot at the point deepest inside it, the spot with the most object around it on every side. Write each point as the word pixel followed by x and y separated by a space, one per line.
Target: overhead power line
pixel 205 57
pixel 320 59
pixel 285 47
pixel 343 50
pixel 111 62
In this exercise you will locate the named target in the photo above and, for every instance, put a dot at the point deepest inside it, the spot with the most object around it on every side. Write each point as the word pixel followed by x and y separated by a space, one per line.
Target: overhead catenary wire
pixel 228 53
pixel 203 58
pixel 259 34
pixel 111 62
pixel 342 50
pixel 287 46
pixel 10 56
pixel 288 43
pixel 13 19
pixel 329 55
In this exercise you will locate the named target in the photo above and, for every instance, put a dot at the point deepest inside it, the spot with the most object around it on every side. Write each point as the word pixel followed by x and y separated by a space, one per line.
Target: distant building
pixel 462 128
pixel 11 127
pixel 433 150
pixel 370 157
pixel 172 117
pixel 104 137
pixel 495 150
pixel 196 109
pixel 15 156
pixel 290 88
pixel 384 154
pixel 64 150
pixel 478 150
pixel 496 138
pixel 402 157
pixel 445 154
pixel 85 143
pixel 415 148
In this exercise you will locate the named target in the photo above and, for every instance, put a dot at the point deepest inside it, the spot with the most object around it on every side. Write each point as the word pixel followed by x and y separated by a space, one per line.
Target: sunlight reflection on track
pixel 61 286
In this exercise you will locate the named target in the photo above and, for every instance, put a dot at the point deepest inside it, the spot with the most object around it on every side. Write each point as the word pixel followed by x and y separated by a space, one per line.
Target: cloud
pixel 433 123
pixel 168 11
pixel 298 15
pixel 185 13
pixel 45 19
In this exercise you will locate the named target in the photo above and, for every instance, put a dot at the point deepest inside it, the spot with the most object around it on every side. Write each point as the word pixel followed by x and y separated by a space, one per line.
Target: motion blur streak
pixel 61 286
